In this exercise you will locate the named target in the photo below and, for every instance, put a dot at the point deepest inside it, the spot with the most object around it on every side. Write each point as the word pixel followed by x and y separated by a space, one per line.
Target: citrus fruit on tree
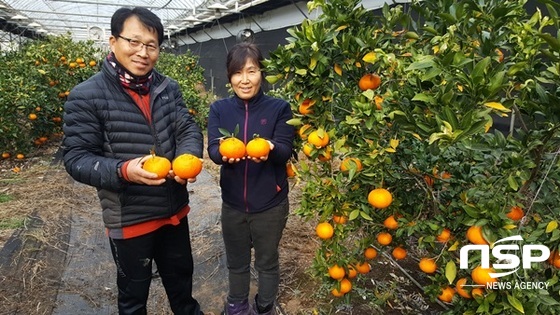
pixel 6 155
pixel 474 235
pixel 482 276
pixel 427 265
pixel 477 292
pixel 363 267
pixel 336 272
pixel 350 162
pixel 290 170
pixel 324 230
pixel 32 116
pixel 515 213
pixel 345 286
pixel 257 147
pixel 370 253
pixel 461 288
pixel 232 148
pixel 380 198
pixel 304 131
pixel 318 138
pixel 306 107
pixel 186 166
pixel 554 259
pixel 20 156
pixel 307 149
pixel 446 294
pixel 369 81
pixel 336 293
pixel 352 272
pixel 158 165
pixel 399 253
pixel 340 219
pixel 391 223
pixel 384 238
pixel 444 236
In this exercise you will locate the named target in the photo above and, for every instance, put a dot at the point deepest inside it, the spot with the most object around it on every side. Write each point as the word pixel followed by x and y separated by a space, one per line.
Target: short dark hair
pixel 149 19
pixel 238 56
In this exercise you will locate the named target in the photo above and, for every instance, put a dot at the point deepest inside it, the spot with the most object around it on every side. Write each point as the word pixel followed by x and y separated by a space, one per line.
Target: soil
pixel 54 256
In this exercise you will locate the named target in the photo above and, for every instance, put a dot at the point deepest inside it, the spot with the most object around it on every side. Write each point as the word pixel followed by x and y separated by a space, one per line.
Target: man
pixel 112 123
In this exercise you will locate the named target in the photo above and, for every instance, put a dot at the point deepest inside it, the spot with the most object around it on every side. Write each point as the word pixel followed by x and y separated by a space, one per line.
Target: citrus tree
pixel 396 116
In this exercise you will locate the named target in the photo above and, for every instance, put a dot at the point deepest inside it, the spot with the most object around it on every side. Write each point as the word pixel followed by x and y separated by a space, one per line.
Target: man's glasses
pixel 138 45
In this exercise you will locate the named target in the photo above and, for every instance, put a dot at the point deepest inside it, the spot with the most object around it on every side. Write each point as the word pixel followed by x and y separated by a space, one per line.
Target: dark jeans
pixel 263 231
pixel 170 248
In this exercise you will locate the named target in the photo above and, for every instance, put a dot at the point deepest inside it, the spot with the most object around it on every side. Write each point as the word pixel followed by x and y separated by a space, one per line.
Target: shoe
pixel 239 308
pixel 269 310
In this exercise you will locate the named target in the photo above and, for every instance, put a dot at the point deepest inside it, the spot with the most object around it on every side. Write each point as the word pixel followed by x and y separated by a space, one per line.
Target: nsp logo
pixel 505 259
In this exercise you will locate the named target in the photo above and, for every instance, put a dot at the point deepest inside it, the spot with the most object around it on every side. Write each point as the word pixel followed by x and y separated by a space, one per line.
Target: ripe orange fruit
pixel 474 235
pixel 186 166
pixel 257 147
pixel 477 292
pixel 370 253
pixel 318 138
pixel 324 230
pixel 482 275
pixel 429 180
pixel 20 156
pixel 516 213
pixel 447 294
pixel 391 223
pixel 500 55
pixel 232 148
pixel 369 81
pixel 380 198
pixel 350 162
pixel 340 219
pixel 307 149
pixel 378 102
pixel 345 286
pixel 92 63
pixel 290 170
pixel 336 272
pixel 352 272
pixel 306 107
pixel 304 131
pixel 399 253
pixel 158 165
pixel 6 155
pixel 384 238
pixel 72 65
pixel 444 236
pixel 56 119
pixel 32 116
pixel 363 267
pixel 336 293
pixel 427 265
pixel 554 259
pixel 325 155
pixel 461 289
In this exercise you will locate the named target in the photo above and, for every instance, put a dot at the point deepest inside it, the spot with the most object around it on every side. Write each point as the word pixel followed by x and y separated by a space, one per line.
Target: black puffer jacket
pixel 103 127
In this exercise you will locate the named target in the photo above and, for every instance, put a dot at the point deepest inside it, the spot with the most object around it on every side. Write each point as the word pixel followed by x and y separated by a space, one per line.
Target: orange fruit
pixel 378 102
pixel 20 156
pixel 447 294
pixel 444 236
pixel 158 165
pixel 336 272
pixel 427 265
pixel 324 230
pixel 429 180
pixel 186 166
pixel 32 116
pixel 304 131
pixel 290 170
pixel 6 155
pixel 352 272
pixel 474 235
pixel 307 149
pixel 340 219
pixel 306 107
pixel 369 81
pixel 477 292
pixel 345 286
pixel 482 275
pixel 380 198
pixel 370 253
pixel 257 147
pixel 515 213
pixel 92 63
pixel 363 267
pixel 72 65
pixel 336 293
pixel 461 289
pixel 500 55
pixel 350 162
pixel 232 148
pixel 391 223
pixel 384 238
pixel 399 253
pixel 56 119
pixel 318 138
pixel 554 259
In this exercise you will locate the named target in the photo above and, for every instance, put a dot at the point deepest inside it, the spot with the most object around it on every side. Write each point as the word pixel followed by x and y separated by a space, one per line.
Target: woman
pixel 254 188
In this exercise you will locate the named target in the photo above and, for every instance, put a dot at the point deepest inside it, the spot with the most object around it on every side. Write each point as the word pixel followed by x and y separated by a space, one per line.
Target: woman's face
pixel 246 82
pixel 136 48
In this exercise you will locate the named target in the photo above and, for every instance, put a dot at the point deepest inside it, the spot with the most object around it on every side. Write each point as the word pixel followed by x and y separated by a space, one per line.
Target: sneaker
pixel 239 308
pixel 269 310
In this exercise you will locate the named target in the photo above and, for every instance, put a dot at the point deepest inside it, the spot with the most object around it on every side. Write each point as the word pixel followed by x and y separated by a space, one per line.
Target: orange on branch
pixel 350 162
pixel 370 253
pixel 369 81
pixel 474 235
pixel 399 253
pixel 391 223
pixel 352 272
pixel 6 155
pixel 515 213
pixel 158 165
pixel 336 272
pixel 290 170
pixel 363 267
pixel 345 285
pixel 324 230
pixel 340 219
pixel 20 156
pixel 186 166
pixel 32 116
pixel 305 107
pixel 427 265
pixel 477 292
pixel 304 131
pixel 232 148
pixel 384 238
pixel 318 138
pixel 446 294
pixel 482 275
pixel 461 288
pixel 444 236
pixel 380 198
pixel 257 147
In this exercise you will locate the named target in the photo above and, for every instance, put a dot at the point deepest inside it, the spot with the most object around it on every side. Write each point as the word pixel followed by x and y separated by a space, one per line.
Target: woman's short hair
pixel 238 56
pixel 149 19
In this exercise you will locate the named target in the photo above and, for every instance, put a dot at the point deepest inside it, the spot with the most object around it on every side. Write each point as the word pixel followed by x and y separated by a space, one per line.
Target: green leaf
pixel 365 216
pixel 424 98
pixel 513 301
pixel 354 214
pixel 479 71
pixel 512 183
pixel 450 271
pixel 553 42
pixel 423 63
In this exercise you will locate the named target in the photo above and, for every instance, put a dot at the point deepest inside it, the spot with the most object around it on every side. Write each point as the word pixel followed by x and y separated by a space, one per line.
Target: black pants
pixel 263 231
pixel 170 248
